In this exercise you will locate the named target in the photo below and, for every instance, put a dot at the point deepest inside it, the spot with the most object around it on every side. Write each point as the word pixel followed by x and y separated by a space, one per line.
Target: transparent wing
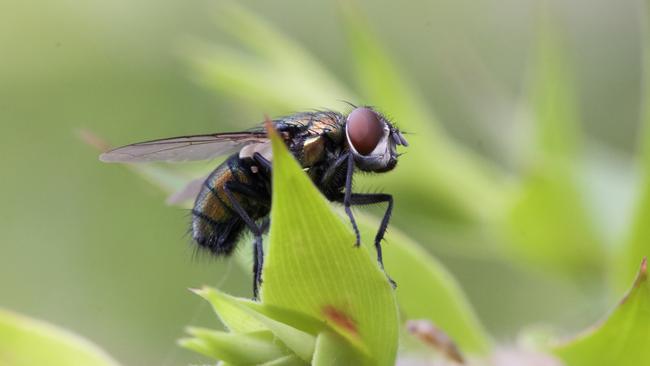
pixel 189 192
pixel 184 148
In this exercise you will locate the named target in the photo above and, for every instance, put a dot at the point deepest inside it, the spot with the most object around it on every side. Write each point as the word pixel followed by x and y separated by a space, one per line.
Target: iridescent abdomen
pixel 215 224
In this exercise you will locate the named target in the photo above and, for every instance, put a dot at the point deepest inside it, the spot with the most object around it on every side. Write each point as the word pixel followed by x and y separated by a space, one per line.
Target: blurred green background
pixel 91 247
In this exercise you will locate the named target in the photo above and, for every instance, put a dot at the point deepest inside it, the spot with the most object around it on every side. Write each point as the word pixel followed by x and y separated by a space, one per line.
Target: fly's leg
pixel 347 198
pixel 266 167
pixel 258 249
pixel 369 199
pixel 265 226
pixel 331 171
pixel 263 162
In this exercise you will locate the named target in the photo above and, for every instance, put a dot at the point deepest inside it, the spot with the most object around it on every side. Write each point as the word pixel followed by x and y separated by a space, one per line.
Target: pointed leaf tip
pixel 622 339
pixel 268 124
pixel 199 291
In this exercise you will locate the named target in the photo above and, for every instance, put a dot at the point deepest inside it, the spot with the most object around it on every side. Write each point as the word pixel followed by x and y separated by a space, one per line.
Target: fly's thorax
pixel 313 151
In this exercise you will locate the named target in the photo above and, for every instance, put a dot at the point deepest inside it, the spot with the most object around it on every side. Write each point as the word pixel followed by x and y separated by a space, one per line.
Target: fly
pixel 236 196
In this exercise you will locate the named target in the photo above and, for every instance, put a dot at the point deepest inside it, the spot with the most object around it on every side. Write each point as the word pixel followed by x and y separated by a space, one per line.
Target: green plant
pixel 25 341
pixel 540 217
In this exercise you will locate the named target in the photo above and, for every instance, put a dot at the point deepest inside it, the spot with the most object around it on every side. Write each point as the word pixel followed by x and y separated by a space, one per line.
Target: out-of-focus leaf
pixel 425 289
pixel 548 223
pixel 286 361
pixel 272 71
pixel 300 342
pixel 313 267
pixel 27 342
pixel 230 311
pixel 637 244
pixel 447 175
pixel 333 350
pixel 236 348
pixel 434 337
pixel 623 339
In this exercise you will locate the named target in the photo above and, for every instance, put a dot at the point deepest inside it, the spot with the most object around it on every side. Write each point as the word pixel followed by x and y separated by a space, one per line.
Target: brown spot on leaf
pixel 428 333
pixel 340 319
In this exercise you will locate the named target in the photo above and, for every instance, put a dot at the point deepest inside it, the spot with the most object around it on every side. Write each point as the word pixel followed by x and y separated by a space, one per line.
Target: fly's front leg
pixel 368 199
pixel 258 249
pixel 265 226
pixel 263 162
pixel 266 167
pixel 347 201
pixel 331 171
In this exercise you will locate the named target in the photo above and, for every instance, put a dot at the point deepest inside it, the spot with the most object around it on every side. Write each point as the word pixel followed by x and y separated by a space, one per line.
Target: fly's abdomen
pixel 216 225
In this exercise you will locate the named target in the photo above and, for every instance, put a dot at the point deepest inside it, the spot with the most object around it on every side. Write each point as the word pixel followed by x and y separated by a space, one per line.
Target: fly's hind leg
pixel 258 249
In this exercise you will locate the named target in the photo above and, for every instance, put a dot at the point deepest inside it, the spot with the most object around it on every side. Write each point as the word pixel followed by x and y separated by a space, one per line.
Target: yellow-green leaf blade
pixel 231 313
pixel 249 315
pixel 312 265
pixel 237 348
pixel 623 339
pixel 26 342
pixel 332 350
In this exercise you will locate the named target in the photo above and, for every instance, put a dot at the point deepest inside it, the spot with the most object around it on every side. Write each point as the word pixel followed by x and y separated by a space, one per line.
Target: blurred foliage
pixel 25 342
pixel 623 339
pixel 638 241
pixel 548 222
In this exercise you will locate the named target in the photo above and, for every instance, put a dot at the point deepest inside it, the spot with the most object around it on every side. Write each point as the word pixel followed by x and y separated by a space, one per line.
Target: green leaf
pixel 232 313
pixel 425 289
pixel 553 95
pixel 637 245
pixel 286 361
pixel 26 342
pixel 333 350
pixel 548 223
pixel 300 342
pixel 236 348
pixel 623 339
pixel 313 267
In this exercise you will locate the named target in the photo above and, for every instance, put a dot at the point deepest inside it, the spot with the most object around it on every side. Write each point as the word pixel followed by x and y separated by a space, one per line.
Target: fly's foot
pixel 393 284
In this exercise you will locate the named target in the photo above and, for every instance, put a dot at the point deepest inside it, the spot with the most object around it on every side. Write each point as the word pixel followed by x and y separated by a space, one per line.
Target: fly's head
pixel 372 140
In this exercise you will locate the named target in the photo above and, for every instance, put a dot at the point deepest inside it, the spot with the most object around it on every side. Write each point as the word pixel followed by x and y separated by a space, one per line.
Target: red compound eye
pixel 364 129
